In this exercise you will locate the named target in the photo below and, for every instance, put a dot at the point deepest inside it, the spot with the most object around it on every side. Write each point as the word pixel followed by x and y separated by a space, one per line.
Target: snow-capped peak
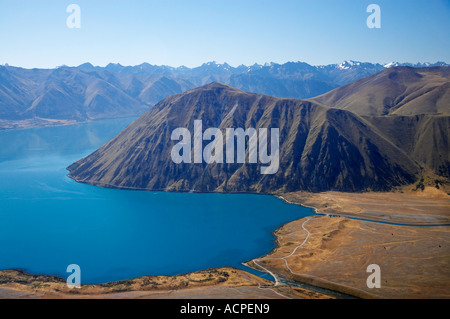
pixel 348 64
pixel 391 64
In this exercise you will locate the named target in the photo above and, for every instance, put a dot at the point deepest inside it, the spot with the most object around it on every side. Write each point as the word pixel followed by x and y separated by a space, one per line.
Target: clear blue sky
pixel 190 32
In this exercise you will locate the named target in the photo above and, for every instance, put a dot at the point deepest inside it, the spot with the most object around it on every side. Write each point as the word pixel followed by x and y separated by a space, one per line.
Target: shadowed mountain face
pixel 320 148
pixel 409 106
pixel 424 138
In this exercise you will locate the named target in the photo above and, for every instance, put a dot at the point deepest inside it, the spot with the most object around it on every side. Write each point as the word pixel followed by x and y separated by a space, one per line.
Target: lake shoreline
pixel 308 279
pixel 334 223
pixel 36 123
pixel 222 282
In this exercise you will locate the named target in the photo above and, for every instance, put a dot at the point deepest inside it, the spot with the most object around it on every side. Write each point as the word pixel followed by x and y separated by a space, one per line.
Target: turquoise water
pixel 48 221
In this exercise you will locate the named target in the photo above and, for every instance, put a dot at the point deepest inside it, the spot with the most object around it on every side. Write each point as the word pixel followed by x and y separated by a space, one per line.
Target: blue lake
pixel 48 221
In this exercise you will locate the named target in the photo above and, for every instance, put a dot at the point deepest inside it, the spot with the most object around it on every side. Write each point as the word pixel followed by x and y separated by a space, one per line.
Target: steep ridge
pixel 320 148
pixel 409 106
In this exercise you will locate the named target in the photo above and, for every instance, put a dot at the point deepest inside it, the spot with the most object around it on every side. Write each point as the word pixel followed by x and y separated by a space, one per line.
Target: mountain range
pixel 45 96
pixel 376 133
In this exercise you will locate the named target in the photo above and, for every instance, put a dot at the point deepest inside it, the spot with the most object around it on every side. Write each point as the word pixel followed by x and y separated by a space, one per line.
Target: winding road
pixel 276 278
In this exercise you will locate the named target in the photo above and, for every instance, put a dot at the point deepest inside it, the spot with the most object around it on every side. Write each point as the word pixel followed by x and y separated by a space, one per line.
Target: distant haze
pixel 38 97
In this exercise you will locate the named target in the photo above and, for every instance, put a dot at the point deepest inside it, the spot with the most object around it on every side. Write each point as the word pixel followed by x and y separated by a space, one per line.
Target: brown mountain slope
pixel 398 90
pixel 425 138
pixel 320 148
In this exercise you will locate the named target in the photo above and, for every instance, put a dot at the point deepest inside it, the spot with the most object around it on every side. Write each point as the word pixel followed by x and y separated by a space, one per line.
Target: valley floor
pixel 330 250
pixel 333 251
